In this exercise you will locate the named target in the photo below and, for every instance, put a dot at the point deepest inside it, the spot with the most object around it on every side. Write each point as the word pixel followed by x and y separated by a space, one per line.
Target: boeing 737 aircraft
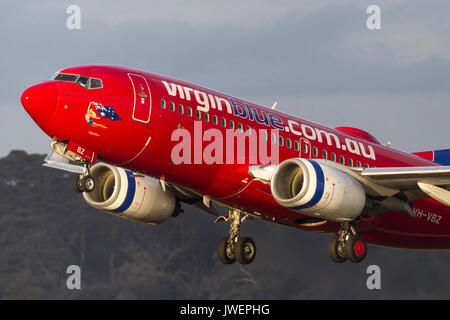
pixel 143 144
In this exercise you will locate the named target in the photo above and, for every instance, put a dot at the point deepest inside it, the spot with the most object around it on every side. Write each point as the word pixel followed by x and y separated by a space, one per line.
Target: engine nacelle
pixel 315 189
pixel 135 197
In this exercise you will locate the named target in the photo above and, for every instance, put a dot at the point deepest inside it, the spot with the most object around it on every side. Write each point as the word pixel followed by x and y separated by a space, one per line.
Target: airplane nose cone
pixel 41 101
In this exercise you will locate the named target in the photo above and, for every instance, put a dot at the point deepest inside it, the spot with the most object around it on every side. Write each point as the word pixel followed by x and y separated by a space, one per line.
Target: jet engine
pixel 129 195
pixel 316 189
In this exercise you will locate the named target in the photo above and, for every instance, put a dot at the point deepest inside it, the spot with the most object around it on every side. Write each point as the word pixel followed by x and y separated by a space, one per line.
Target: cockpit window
pixel 96 83
pixel 66 77
pixel 85 82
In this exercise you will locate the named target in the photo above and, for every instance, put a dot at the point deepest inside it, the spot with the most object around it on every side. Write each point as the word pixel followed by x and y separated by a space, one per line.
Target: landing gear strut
pixel 347 244
pixel 236 248
pixel 84 182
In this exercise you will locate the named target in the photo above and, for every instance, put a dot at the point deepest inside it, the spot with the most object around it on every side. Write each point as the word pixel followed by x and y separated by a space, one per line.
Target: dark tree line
pixel 45 227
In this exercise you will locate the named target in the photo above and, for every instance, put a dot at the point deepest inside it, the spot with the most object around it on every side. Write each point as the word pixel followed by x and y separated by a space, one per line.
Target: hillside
pixel 45 227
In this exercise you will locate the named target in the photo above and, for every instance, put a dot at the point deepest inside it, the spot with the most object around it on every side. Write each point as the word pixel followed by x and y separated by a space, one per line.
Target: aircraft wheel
pixel 77 186
pixel 336 250
pixel 176 212
pixel 245 250
pixel 88 183
pixel 225 252
pixel 355 248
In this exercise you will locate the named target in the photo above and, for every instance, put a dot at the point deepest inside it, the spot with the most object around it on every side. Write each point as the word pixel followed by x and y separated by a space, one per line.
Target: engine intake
pixel 316 189
pixel 135 197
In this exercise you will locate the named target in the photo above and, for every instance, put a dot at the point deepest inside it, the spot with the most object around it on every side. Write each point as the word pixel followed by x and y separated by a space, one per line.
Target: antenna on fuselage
pixel 274 105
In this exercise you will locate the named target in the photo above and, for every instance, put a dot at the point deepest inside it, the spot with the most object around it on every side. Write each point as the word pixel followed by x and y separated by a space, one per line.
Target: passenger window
pixel 288 143
pixel 240 127
pixel 358 164
pixel 215 120
pixel 325 154
pixel 333 157
pixel 189 111
pixel 296 146
pixel 172 106
pixel 274 140
pixel 350 162
pixel 198 115
pixel 305 148
pixel 264 135
pixel 180 109
pixel 342 160
pixel 231 124
pixel 223 121
pixel 206 117
pixel 163 104
pixel 315 152
pixel 281 140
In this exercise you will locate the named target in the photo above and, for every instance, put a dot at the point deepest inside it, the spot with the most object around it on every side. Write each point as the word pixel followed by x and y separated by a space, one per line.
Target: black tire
pixel 356 248
pixel 224 252
pixel 333 251
pixel 77 186
pixel 88 183
pixel 176 212
pixel 245 250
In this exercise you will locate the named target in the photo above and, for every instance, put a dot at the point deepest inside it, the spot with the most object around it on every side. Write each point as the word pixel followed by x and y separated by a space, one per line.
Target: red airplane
pixel 161 143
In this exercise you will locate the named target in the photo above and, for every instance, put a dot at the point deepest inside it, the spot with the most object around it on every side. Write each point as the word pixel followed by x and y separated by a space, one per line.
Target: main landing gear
pixel 235 248
pixel 347 244
pixel 84 182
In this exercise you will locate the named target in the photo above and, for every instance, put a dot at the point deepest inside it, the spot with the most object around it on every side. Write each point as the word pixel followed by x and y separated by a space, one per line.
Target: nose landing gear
pixel 347 245
pixel 236 248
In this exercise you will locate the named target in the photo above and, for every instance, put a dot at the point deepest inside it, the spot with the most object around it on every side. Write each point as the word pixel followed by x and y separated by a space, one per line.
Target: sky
pixel 316 58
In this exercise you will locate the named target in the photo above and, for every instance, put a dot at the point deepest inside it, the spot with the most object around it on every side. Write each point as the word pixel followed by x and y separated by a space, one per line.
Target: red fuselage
pixel 148 108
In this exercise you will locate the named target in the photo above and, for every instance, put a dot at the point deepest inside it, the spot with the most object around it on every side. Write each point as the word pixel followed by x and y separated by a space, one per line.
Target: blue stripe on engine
pixel 130 193
pixel 442 156
pixel 319 187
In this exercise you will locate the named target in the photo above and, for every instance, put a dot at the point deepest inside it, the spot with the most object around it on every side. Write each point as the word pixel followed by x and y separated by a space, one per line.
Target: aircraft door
pixel 142 98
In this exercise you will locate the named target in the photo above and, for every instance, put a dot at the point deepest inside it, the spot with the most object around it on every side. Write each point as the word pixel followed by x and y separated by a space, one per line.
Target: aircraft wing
pixel 408 177
pixel 432 181
pixel 408 183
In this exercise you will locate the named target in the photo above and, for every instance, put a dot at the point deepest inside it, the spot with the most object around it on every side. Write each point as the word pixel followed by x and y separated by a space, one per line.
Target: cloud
pixel 258 50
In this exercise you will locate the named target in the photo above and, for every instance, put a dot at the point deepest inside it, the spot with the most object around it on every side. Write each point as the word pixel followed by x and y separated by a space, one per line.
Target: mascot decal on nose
pixel 98 115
